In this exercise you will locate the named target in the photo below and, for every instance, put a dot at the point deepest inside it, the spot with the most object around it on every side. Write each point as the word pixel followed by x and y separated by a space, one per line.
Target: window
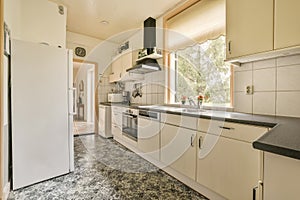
pixel 195 42
pixel 200 69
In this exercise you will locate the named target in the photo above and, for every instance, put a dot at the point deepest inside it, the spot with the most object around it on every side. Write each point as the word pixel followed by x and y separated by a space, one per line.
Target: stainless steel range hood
pixel 145 66
pixel 148 63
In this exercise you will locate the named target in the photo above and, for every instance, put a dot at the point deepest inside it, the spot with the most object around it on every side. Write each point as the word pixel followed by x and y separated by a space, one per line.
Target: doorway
pixel 84 82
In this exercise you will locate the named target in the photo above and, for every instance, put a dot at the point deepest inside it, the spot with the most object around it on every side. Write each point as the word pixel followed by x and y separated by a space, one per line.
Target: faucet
pixel 192 103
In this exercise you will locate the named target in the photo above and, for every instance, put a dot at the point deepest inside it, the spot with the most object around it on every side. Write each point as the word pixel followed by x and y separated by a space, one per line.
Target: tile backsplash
pixel 276 87
pixel 153 88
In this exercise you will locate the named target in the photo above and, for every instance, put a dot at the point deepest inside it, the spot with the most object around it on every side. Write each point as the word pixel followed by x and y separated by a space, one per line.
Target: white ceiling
pixel 84 16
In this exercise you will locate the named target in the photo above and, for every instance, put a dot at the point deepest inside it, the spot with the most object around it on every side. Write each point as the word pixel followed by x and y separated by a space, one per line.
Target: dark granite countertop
pixel 283 137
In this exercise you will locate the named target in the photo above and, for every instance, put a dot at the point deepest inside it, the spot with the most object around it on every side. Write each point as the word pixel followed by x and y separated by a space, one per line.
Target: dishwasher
pixel 149 133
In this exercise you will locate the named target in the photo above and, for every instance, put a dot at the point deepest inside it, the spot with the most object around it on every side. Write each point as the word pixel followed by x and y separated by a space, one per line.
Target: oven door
pixel 129 125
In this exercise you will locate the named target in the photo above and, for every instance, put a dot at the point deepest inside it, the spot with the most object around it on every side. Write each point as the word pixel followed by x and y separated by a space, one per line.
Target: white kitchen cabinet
pixel 148 137
pixel 281 177
pixel 178 149
pixel 120 65
pixel 116 121
pixel 126 61
pixel 116 69
pixel 286 23
pixel 249 27
pixel 226 161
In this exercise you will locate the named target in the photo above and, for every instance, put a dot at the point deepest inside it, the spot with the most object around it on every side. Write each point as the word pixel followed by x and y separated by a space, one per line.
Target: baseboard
pixel 6 191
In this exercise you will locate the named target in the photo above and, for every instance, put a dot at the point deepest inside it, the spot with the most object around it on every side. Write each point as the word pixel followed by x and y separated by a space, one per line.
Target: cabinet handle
pixel 227 128
pixel 260 183
pixel 200 142
pixel 229 46
pixel 192 138
pixel 254 192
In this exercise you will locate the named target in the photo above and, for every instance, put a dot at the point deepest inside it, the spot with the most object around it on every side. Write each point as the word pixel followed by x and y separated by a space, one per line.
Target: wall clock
pixel 79 51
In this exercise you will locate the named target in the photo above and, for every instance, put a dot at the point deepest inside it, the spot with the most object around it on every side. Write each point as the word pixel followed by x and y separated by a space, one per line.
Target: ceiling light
pixel 104 22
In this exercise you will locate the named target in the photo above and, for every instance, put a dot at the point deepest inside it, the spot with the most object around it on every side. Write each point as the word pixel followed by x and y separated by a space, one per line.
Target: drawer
pixel 179 120
pixel 247 133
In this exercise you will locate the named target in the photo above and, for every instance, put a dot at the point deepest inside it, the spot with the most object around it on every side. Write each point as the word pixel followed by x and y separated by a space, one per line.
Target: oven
pixel 130 124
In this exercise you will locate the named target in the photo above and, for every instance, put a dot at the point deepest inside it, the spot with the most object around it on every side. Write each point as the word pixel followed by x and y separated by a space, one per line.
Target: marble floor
pixel 82 127
pixel 106 170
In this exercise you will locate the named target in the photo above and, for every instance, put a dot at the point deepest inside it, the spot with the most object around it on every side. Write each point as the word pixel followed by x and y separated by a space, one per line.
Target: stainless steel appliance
pixel 130 123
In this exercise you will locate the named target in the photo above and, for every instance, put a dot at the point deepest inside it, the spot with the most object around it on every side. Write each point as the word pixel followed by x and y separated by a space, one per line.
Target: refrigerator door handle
pixel 73 104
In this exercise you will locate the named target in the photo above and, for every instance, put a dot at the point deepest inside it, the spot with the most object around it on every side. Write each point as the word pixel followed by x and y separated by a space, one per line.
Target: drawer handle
pixel 226 128
pixel 200 142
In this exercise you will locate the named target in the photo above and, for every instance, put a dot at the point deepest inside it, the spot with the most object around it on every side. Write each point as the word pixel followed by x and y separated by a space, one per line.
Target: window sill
pixel 205 107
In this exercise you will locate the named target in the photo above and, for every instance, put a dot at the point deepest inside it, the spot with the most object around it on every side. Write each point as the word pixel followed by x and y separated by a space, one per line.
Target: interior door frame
pixel 96 106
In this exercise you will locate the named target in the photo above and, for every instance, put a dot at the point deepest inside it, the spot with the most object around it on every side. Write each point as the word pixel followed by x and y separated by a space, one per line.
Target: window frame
pixel 167 55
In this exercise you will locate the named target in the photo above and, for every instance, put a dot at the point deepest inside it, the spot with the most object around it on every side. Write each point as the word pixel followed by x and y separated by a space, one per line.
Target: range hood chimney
pixel 148 63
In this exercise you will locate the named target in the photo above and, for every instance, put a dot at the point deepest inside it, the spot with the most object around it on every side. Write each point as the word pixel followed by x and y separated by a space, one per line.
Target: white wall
pixel 36 21
pixel 276 85
pixel 98 51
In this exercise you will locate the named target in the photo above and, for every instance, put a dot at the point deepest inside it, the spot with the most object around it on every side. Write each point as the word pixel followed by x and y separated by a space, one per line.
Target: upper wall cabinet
pixel 287 27
pixel 249 27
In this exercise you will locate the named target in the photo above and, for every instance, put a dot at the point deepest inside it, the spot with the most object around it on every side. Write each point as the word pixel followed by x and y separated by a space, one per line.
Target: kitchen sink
pixel 192 110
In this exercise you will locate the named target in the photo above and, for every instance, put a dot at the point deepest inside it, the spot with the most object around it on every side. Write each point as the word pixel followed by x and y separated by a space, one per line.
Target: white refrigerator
pixel 42 112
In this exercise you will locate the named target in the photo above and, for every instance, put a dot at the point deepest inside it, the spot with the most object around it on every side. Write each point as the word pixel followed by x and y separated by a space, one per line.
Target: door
pixel 178 149
pixel 231 168
pixel 41 147
pixel 148 136
pixel 249 27
pixel 287 28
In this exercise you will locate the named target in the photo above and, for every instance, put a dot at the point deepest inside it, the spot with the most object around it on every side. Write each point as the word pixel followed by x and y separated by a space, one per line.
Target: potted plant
pixel 200 100
pixel 183 100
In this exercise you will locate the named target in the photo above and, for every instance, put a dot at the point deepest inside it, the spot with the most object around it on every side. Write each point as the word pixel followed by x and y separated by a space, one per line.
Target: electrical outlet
pixel 249 89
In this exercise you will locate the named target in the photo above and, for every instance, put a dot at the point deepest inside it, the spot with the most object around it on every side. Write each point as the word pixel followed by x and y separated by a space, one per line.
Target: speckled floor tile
pixel 106 170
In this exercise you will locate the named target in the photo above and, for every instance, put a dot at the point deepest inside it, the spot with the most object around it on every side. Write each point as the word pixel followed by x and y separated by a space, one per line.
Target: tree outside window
pixel 200 69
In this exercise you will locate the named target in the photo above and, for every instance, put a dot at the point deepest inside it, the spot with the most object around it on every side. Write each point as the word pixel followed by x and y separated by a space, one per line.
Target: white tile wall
pixel 153 88
pixel 264 79
pixel 242 79
pixel 264 64
pixel 243 102
pixel 276 84
pixel 288 104
pixel 288 78
pixel 264 103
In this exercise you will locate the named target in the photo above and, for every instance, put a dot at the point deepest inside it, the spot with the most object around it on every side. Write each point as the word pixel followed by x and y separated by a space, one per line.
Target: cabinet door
pixel 116 69
pixel 116 122
pixel 178 149
pixel 287 27
pixel 148 137
pixel 126 61
pixel 249 27
pixel 226 166
pixel 281 177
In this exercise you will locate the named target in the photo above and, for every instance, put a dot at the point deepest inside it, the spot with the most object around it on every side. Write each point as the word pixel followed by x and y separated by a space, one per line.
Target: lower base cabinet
pixel 148 137
pixel 178 149
pixel 281 177
pixel 227 166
